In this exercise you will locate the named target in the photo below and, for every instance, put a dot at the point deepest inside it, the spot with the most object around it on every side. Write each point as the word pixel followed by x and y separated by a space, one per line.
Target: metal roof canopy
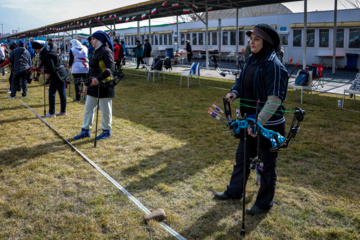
pixel 140 8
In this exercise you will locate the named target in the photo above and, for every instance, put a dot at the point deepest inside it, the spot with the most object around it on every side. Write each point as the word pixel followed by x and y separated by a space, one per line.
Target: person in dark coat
pixel 56 74
pixel 20 59
pixel 262 81
pixel 147 49
pixel 139 53
pixel 189 51
pixel 100 75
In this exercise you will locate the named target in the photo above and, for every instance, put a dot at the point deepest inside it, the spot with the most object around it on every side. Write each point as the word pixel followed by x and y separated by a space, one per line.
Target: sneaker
pixel 61 113
pixel 11 97
pixel 254 210
pixel 76 100
pixel 137 68
pixel 222 196
pixel 24 95
pixel 84 133
pixel 104 134
pixel 48 115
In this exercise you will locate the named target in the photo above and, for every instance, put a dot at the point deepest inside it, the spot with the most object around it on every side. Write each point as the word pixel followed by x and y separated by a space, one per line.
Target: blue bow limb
pixel 274 137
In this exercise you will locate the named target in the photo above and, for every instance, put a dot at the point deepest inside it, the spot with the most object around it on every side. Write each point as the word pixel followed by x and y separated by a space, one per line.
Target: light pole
pixel 2 32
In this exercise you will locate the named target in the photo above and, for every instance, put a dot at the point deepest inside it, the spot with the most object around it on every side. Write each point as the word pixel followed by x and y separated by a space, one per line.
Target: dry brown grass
pixel 168 153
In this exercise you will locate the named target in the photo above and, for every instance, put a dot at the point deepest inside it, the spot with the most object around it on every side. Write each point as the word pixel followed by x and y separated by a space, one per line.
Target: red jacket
pixel 116 51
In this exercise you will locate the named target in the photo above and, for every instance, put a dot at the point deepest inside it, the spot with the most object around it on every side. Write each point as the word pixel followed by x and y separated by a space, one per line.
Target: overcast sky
pixel 23 15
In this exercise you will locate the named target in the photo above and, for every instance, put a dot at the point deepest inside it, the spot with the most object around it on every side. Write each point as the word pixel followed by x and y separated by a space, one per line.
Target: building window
pixel 165 39
pixel 324 38
pixel 156 39
pixel 214 38
pixel 284 40
pixel 340 38
pixel 188 37
pixel 160 39
pixel 201 38
pixel 170 39
pixel 232 38
pixel 182 38
pixel 310 38
pixel 354 38
pixel 225 38
pixel 194 39
pixel 297 38
pixel 241 38
pixel 209 39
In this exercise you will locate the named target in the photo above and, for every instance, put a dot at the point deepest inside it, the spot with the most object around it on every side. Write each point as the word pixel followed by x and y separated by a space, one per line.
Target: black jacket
pixel 20 59
pixel 147 50
pixel 53 65
pixel 103 56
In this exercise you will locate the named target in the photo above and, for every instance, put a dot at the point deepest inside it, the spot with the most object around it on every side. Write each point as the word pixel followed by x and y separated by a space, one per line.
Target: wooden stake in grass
pixel 158 215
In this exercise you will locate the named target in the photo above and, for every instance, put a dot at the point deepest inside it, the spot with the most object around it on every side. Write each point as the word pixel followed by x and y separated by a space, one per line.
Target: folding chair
pixel 308 87
pixel 353 89
pixel 194 71
pixel 148 63
pixel 318 80
pixel 156 71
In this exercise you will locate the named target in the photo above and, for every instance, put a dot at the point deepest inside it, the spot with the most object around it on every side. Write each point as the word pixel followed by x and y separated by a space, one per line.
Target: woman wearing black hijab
pixel 263 80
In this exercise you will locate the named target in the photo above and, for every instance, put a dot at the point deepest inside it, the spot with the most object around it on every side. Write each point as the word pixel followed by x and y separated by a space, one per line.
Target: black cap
pixel 37 45
pixel 267 33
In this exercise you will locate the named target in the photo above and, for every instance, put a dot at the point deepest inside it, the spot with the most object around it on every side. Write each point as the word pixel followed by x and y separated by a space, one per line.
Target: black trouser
pixel 189 58
pixel 78 78
pixel 19 79
pixel 56 85
pixel 117 64
pixel 139 60
pixel 2 69
pixel 265 196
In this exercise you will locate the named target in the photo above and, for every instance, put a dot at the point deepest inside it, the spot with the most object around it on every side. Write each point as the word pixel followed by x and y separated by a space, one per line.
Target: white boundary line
pixel 132 198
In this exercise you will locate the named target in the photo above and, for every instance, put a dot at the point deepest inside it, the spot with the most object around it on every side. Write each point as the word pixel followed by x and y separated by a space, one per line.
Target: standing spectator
pixel 7 61
pixel 118 53
pixel 99 90
pixel 50 44
pixel 56 74
pixel 139 53
pixel 2 58
pixel 189 51
pixel 147 49
pixel 91 49
pixel 124 47
pixel 21 61
pixel 247 52
pixel 79 64
pixel 30 49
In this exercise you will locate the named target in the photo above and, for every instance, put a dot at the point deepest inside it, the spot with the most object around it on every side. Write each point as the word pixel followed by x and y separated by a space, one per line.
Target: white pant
pixel 90 109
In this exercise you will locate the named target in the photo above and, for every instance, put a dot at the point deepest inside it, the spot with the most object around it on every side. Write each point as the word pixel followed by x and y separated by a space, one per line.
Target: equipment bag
pixel 157 65
pixel 167 63
pixel 302 79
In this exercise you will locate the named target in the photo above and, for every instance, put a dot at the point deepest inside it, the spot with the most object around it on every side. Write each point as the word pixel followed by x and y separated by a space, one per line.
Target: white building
pixel 290 26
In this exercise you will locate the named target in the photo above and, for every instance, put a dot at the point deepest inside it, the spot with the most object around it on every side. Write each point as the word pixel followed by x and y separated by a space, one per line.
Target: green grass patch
pixel 169 153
